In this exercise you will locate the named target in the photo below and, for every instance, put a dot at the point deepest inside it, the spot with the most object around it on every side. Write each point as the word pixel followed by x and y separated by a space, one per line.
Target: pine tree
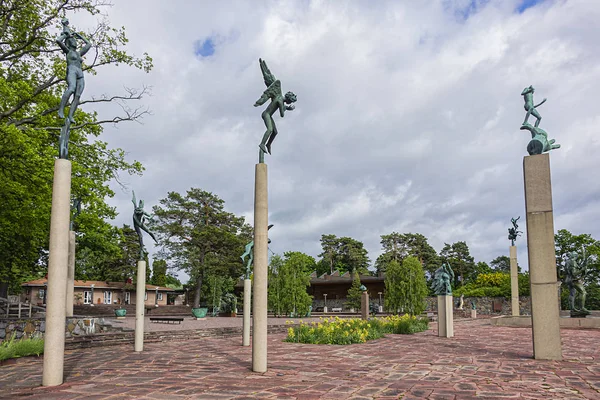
pixel 354 293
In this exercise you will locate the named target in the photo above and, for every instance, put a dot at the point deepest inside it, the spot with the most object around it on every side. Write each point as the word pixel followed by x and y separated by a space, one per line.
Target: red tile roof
pixel 97 285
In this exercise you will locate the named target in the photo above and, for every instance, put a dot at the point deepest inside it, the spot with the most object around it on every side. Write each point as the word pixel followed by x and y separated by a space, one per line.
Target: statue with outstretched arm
pixel 139 216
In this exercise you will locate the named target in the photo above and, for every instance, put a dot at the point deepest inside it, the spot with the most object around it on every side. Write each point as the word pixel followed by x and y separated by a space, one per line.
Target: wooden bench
pixel 336 309
pixel 166 319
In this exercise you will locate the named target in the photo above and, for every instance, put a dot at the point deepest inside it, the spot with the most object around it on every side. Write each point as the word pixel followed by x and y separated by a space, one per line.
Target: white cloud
pixel 407 117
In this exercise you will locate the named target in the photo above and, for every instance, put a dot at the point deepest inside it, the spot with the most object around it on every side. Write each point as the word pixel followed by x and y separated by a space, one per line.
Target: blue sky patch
pixel 204 48
pixel 525 4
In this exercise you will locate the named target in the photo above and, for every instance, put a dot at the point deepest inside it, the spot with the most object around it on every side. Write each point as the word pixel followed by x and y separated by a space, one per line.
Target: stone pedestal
pixel 364 305
pixel 71 276
pixel 54 337
pixel 324 310
pixel 473 313
pixel 140 293
pixel 514 282
pixel 542 261
pixel 247 307
pixel 261 261
pixel 445 316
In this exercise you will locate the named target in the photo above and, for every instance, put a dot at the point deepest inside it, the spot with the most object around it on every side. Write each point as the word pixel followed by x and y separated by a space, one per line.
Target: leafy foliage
pixel 396 247
pixel 200 237
pixel 405 287
pixel 288 279
pixel 343 254
pixel 31 83
pixel 12 348
pixel 461 261
pixel 495 284
pixel 159 272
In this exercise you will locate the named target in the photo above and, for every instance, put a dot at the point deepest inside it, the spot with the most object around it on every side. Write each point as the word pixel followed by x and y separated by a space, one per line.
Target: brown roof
pixel 97 285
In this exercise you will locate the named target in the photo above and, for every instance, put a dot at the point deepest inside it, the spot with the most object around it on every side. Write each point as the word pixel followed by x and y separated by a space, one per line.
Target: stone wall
pixel 35 327
pixel 484 305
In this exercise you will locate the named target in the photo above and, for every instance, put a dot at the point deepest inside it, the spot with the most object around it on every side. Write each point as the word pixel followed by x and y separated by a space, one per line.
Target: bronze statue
pixel 76 210
pixel 539 138
pixel 75 82
pixel 442 279
pixel 139 215
pixel 575 274
pixel 249 251
pixel 531 109
pixel 513 233
pixel 278 102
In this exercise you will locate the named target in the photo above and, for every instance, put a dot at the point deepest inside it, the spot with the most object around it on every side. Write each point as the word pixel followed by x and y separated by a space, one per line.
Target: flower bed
pixel 353 330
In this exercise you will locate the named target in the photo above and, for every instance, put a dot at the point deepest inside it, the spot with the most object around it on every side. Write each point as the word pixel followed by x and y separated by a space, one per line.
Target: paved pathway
pixel 482 361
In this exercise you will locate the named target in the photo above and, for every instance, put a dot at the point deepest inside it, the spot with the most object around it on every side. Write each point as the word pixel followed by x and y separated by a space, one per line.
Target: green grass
pixel 20 348
pixel 354 330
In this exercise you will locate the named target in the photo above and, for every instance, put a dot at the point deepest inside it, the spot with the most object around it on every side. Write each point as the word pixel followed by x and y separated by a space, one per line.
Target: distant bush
pixel 354 330
pixel 20 348
pixel 495 284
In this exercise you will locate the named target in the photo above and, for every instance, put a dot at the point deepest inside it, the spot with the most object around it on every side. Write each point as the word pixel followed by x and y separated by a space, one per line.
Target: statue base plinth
pixel 445 316
pixel 579 313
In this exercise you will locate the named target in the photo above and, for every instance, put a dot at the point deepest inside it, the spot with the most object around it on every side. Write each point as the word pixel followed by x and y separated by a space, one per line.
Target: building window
pixel 146 296
pixel 41 293
pixel 127 297
pixel 107 297
pixel 160 296
pixel 87 297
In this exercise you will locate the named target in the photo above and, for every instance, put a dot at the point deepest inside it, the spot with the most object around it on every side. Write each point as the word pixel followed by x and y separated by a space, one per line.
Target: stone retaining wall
pixel 484 305
pixel 35 327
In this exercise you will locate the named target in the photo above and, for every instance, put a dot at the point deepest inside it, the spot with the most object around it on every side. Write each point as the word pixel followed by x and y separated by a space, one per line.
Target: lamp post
pixel 92 295
pixel 325 307
pixel 45 292
pixel 380 305
pixel 187 303
pixel 156 298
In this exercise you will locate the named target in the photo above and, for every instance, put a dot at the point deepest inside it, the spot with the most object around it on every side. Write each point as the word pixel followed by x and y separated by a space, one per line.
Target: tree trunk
pixel 198 289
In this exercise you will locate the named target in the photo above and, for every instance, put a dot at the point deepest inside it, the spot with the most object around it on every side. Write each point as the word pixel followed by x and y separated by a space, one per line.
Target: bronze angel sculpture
pixel 278 102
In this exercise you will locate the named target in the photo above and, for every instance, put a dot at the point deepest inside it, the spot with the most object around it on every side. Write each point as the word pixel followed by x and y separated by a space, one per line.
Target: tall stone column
pixel 364 305
pixel 542 261
pixel 261 261
pixel 71 275
pixel 247 307
pixel 445 316
pixel 140 293
pixel 54 337
pixel 514 282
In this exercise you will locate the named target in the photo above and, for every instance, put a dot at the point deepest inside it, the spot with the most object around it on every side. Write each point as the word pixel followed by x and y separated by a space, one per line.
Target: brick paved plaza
pixel 481 361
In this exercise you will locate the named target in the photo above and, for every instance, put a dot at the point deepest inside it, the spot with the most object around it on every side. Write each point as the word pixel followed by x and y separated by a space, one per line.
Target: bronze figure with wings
pixel 278 102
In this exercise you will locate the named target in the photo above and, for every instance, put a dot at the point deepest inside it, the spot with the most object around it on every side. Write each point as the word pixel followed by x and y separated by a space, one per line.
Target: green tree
pixel 494 284
pixel 501 264
pixel 405 286
pixel 460 260
pixel 396 247
pixel 200 237
pixel 354 296
pixel 159 273
pixel 343 254
pixel 289 278
pixel 31 82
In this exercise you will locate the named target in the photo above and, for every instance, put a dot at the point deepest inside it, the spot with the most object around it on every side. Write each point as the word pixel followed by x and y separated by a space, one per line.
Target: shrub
pixel 20 348
pixel 354 330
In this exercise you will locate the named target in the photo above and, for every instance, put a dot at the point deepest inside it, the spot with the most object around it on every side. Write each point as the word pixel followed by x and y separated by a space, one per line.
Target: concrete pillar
pixel 445 316
pixel 473 313
pixel 71 275
pixel 247 306
pixel 542 261
pixel 54 337
pixel 364 305
pixel 261 260
pixel 514 282
pixel 140 292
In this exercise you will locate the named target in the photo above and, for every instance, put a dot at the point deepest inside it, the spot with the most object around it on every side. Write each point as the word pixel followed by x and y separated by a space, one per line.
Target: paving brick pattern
pixel 480 362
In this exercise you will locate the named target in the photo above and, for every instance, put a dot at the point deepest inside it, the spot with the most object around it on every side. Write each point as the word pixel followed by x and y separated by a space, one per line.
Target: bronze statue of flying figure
pixel 278 102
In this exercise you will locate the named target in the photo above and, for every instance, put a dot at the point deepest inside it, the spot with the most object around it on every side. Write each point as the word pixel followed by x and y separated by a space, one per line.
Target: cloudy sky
pixel 407 118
